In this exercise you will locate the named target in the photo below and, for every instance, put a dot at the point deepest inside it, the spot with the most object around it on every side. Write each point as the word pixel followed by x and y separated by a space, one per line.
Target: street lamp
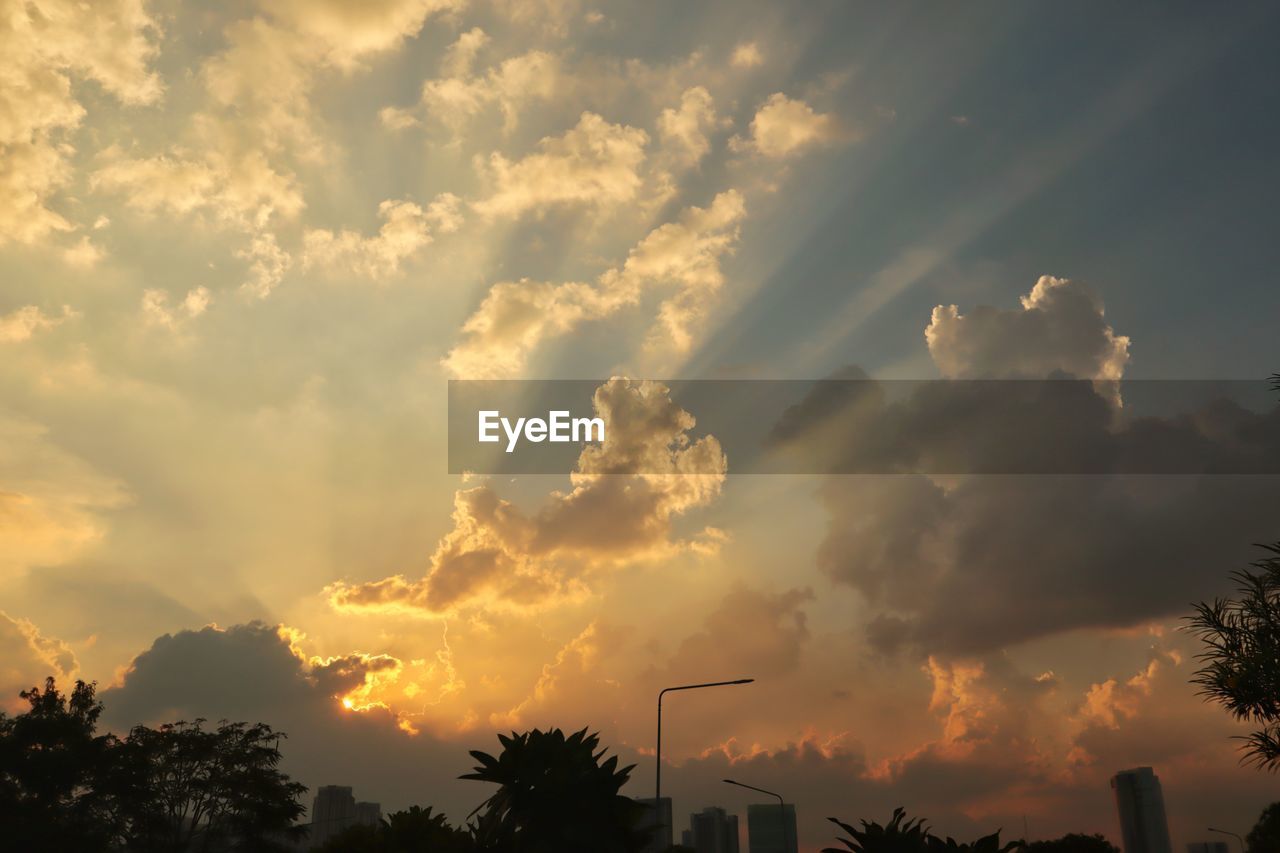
pixel 1232 834
pixel 782 807
pixel 657 787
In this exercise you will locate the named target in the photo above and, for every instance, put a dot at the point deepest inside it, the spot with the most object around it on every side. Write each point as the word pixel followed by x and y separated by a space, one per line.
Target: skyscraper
pixel 659 820
pixel 712 830
pixel 771 828
pixel 333 810
pixel 1140 803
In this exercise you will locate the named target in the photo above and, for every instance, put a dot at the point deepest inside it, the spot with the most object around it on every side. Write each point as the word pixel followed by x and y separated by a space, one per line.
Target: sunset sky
pixel 243 247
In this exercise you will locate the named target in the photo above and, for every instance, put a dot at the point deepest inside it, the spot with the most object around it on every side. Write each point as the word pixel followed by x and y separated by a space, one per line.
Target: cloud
pixel 48 45
pixel 406 228
pixel 782 127
pixel 256 672
pixel 27 658
pixel 516 317
pixel 23 323
pixel 498 555
pixel 1029 555
pixel 747 55
pixel 750 633
pixel 594 164
pixel 684 130
pixel 241 192
pixel 460 95
pixel 156 310
pixel 1061 327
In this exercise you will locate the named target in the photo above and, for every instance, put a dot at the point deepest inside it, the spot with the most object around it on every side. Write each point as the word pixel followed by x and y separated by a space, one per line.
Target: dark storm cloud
pixel 249 672
pixel 963 564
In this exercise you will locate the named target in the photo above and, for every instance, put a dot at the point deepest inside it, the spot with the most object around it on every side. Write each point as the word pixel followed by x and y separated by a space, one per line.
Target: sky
pixel 244 246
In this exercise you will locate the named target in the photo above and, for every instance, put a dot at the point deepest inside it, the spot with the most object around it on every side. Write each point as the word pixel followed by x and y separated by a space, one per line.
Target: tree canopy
pixel 65 787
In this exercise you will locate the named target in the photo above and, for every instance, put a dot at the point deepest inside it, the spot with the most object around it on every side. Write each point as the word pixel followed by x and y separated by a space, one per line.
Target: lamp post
pixel 1232 834
pixel 657 786
pixel 782 807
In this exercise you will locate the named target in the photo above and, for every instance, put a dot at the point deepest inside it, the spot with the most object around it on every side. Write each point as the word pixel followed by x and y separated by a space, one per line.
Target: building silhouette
pixel 771 828
pixel 335 809
pixel 712 830
pixel 1140 804
pixel 659 820
pixel 1208 847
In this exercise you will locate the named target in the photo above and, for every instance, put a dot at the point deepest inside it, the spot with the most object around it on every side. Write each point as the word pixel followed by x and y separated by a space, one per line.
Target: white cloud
pixel 594 164
pixel 46 44
pixel 156 310
pixel 747 55
pixel 783 126
pixel 23 323
pixel 406 228
pixel 499 555
pixel 684 129
pixel 1061 327
pixel 517 316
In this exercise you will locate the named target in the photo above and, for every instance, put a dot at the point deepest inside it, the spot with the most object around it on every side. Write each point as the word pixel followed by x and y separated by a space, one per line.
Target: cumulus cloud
pixel 256 672
pixel 460 95
pixel 1061 328
pixel 594 164
pixel 684 129
pixel 241 192
pixel 48 45
pixel 406 228
pixel 746 55
pixel 23 323
pixel 783 126
pixel 156 310
pixel 27 658
pixel 1031 556
pixel 516 317
pixel 497 554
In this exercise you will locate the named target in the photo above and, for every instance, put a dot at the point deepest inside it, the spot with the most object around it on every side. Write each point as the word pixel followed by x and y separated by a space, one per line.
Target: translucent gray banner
pixel 858 425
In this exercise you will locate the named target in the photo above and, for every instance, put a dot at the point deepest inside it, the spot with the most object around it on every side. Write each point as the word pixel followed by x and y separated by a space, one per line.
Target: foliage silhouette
pixel 1074 843
pixel 556 796
pixel 901 835
pixel 219 786
pixel 63 787
pixel 1265 835
pixel 51 765
pixel 897 836
pixel 415 830
pixel 1241 661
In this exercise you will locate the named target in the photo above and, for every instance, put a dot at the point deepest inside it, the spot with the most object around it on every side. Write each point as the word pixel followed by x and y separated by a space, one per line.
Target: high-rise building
pixel 771 828
pixel 659 820
pixel 1208 847
pixel 333 810
pixel 712 830
pixel 1140 803
pixel 368 814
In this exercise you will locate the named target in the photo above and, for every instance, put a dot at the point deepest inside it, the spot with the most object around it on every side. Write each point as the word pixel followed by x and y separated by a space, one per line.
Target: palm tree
pixel 556 796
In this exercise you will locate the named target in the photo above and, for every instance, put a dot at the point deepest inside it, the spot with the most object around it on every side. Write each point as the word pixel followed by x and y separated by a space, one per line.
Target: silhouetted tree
pixel 556 796
pixel 214 786
pixel 1265 835
pixel 1074 843
pixel 52 764
pixel 1241 662
pixel 910 836
pixel 415 830
pixel 897 836
pixel 179 787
